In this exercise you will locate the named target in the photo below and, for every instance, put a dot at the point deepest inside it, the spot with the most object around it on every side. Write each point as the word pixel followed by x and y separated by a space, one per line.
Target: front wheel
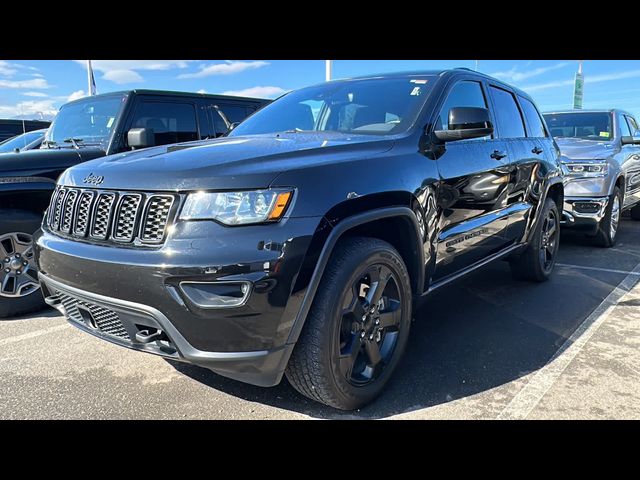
pixel 607 233
pixel 357 328
pixel 537 261
pixel 19 287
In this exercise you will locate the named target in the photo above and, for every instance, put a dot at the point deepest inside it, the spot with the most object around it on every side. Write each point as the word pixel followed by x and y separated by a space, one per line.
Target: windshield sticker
pixel 604 134
pixel 419 82
pixel 415 91
pixel 110 122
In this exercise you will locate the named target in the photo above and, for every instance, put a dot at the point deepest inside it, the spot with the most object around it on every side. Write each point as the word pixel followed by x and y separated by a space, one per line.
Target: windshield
pixel 89 122
pixel 379 106
pixel 20 141
pixel 587 125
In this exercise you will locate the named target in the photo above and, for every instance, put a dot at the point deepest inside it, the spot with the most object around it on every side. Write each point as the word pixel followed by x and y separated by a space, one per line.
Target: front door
pixel 471 191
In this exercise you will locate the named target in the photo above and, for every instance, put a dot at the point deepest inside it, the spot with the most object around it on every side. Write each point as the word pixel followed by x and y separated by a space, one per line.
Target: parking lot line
pixel 37 333
pixel 536 388
pixel 608 270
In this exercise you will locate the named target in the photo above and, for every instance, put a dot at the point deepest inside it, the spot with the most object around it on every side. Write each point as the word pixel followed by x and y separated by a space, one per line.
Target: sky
pixel 35 88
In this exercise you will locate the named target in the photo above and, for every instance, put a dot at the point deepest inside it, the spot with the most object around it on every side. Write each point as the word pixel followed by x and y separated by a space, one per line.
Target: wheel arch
pixel 30 194
pixel 380 223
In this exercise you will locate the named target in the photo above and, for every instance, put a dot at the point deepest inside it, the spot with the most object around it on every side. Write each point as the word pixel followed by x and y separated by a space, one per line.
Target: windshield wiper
pixel 75 141
pixel 49 143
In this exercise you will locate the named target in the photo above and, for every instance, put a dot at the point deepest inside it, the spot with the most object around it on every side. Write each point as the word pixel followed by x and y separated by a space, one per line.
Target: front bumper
pixel 133 296
pixel 584 213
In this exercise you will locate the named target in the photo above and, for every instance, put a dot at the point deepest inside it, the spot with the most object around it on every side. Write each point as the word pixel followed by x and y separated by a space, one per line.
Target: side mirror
pixel 141 137
pixel 466 123
pixel 635 140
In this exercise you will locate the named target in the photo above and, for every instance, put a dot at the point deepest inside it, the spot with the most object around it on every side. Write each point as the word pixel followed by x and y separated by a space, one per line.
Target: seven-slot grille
pixel 121 217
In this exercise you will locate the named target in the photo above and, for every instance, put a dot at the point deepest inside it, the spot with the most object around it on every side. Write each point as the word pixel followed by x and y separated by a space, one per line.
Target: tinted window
pixel 20 141
pixel 463 94
pixel 534 122
pixel 171 122
pixel 625 131
pixel 507 113
pixel 218 123
pixel 235 113
pixel 587 125
pixel 373 106
pixel 632 125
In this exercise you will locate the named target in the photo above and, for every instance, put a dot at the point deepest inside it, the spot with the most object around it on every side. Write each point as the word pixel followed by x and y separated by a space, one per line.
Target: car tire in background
pixel 608 228
pixel 537 261
pixel 19 289
pixel 356 332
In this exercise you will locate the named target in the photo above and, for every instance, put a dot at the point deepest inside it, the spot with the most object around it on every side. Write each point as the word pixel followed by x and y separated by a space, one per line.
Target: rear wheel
pixel 19 287
pixel 608 228
pixel 537 262
pixel 357 328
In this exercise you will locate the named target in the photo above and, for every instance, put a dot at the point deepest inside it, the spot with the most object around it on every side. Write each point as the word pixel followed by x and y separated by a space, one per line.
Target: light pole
pixel 328 69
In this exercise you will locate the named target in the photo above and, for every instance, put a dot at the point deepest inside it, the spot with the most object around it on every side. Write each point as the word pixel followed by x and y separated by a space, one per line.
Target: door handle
pixel 537 150
pixel 498 155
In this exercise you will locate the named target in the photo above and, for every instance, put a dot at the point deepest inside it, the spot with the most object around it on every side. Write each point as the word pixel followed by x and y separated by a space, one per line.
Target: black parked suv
pixel 301 243
pixel 9 128
pixel 83 130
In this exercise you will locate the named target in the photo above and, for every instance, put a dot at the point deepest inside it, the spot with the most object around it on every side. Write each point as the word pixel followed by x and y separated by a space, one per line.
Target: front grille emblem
pixel 93 179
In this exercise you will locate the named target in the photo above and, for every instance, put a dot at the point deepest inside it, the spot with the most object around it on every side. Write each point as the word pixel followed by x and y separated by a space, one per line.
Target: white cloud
pixel 607 77
pixel 9 69
pixel 514 75
pixel 123 76
pixel 202 90
pixel 35 94
pixel 38 75
pixel 29 108
pixel 33 83
pixel 127 71
pixel 226 68
pixel 260 92
pixel 76 95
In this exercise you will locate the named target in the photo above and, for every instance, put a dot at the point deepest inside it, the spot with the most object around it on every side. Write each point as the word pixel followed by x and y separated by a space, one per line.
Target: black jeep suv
pixel 83 130
pixel 301 243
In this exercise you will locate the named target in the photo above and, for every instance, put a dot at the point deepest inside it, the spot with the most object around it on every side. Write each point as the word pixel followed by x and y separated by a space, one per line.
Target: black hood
pixel 42 162
pixel 225 163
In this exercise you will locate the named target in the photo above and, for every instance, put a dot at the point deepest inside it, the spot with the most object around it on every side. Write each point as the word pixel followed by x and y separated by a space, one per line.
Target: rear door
pixel 471 193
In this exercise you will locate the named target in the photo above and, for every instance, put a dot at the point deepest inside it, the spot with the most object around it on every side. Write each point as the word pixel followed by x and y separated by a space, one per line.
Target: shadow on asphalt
pixel 474 335
pixel 45 312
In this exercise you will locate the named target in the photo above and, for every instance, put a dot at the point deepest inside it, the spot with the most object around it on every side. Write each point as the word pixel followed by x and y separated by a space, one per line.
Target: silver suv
pixel 601 161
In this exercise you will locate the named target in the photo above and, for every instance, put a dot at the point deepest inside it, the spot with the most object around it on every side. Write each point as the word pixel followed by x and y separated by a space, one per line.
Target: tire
pixel 16 230
pixel 536 263
pixel 321 365
pixel 606 235
pixel 635 212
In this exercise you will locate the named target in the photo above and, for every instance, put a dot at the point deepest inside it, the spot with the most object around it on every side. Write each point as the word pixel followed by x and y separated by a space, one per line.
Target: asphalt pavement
pixel 484 347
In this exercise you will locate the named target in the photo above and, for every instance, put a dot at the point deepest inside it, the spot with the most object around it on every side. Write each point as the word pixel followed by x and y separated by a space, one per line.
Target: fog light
pixel 216 294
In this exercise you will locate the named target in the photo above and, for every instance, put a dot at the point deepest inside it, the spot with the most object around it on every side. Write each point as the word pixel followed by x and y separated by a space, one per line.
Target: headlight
pixel 596 169
pixel 237 208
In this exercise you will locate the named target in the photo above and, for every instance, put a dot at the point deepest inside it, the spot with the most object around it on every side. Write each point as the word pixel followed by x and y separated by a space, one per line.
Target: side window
pixel 625 131
pixel 534 122
pixel 234 113
pixel 633 125
pixel 171 122
pixel 218 123
pixel 507 113
pixel 463 94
